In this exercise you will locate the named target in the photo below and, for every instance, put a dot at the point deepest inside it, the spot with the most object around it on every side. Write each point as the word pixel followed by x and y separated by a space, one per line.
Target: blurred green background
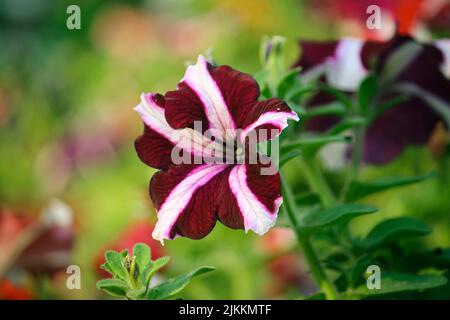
pixel 67 128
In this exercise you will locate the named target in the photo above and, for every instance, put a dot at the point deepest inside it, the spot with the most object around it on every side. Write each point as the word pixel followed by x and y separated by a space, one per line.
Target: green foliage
pixel 311 145
pixel 393 230
pixel 322 219
pixel 319 219
pixel 359 190
pixel 173 286
pixel 131 275
pixel 400 282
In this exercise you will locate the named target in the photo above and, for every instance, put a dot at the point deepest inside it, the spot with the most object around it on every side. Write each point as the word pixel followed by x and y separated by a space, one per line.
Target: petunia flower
pixel 208 120
pixel 343 64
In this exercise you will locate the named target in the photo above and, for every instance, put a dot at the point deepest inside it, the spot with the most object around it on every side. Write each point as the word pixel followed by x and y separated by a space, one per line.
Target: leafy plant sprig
pixel 132 275
pixel 340 272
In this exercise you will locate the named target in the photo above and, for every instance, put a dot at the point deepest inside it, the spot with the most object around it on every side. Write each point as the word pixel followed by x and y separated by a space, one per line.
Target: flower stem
pixel 357 152
pixel 317 182
pixel 357 155
pixel 326 286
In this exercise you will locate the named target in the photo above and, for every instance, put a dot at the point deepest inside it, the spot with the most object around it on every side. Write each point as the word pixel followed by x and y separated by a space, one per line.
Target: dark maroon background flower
pixel 409 123
pixel 37 246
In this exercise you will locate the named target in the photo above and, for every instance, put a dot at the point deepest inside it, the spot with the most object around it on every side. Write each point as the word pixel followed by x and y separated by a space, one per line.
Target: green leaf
pixel 289 81
pixel 300 92
pixel 358 270
pixel 437 258
pixel 143 255
pixel 338 94
pixel 316 296
pixel 261 77
pixel 153 268
pixel 346 124
pixel 393 230
pixel 297 108
pixel 389 104
pixel 438 105
pixel 114 287
pixel 307 198
pixel 114 260
pixel 335 108
pixel 288 156
pixel 136 294
pixel 313 144
pixel 107 268
pixel 398 282
pixel 366 93
pixel 399 60
pixel 173 286
pixel 359 190
pixel 316 219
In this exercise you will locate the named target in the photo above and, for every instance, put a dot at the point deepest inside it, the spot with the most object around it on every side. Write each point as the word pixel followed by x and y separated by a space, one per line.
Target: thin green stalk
pixel 317 182
pixel 326 286
pixel 357 151
pixel 357 155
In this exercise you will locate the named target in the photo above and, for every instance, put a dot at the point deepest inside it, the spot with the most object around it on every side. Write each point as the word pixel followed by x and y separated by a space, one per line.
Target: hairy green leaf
pixel 153 268
pixel 136 294
pixel 114 287
pixel 114 260
pixel 142 253
pixel 173 286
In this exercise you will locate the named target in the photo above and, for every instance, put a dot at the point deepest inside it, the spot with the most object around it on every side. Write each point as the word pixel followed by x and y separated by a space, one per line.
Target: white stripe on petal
pixel 179 198
pixel 255 214
pixel 345 70
pixel 187 139
pixel 277 119
pixel 444 46
pixel 199 79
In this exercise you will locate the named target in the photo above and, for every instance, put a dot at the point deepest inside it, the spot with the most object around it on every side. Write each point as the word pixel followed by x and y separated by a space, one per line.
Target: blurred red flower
pixel 404 15
pixel 38 245
pixel 10 291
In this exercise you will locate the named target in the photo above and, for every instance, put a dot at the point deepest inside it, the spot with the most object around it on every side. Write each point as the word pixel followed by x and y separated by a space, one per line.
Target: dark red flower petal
pixel 179 191
pixel 153 149
pixel 216 96
pixel 271 115
pixel 183 108
pixel 240 90
pixel 190 198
